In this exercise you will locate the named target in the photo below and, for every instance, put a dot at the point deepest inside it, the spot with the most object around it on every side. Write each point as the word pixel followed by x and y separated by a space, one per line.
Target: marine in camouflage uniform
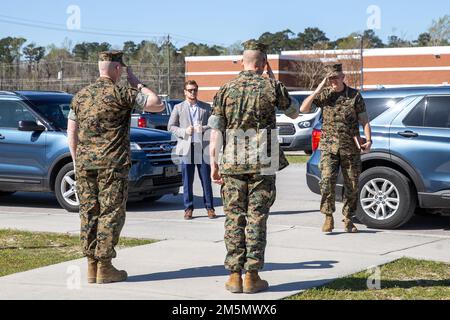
pixel 341 112
pixel 102 111
pixel 248 104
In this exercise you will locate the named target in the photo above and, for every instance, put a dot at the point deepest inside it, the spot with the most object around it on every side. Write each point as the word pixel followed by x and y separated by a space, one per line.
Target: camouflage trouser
pixel 103 196
pixel 246 201
pixel 351 169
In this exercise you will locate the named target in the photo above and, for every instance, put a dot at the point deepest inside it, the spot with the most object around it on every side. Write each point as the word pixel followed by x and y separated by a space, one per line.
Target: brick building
pixel 300 70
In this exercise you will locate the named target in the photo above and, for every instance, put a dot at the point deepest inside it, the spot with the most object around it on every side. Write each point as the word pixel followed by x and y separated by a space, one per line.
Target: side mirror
pixel 30 126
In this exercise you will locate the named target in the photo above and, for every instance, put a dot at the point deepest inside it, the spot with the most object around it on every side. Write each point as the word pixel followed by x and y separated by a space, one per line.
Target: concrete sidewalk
pixel 297 258
pixel 188 262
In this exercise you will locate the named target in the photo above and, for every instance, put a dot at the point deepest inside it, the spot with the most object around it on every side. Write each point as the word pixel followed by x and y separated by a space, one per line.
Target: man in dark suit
pixel 188 122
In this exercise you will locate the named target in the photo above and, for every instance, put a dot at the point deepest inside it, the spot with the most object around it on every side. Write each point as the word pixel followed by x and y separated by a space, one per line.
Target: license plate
pixel 171 171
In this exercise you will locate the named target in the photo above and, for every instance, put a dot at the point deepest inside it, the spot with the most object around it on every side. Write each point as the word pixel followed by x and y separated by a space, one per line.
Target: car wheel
pixel 6 193
pixel 386 200
pixel 65 188
pixel 153 199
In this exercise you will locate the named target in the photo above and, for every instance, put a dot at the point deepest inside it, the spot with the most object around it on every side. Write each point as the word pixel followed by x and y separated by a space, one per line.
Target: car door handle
pixel 408 134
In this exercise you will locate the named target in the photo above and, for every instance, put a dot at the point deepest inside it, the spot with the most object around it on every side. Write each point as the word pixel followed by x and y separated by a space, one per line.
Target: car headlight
pixel 135 147
pixel 304 124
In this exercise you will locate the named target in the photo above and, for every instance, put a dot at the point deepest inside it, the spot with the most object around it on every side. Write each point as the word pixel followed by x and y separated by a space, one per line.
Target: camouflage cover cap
pixel 113 56
pixel 255 45
pixel 333 70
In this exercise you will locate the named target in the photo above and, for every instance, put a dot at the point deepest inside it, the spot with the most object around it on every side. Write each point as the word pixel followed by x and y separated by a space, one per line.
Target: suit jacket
pixel 180 120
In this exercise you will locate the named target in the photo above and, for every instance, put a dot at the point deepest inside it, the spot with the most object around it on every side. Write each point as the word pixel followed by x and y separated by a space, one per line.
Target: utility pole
pixel 61 75
pixel 168 66
pixel 362 62
pixel 18 71
pixel 361 52
pixel 3 75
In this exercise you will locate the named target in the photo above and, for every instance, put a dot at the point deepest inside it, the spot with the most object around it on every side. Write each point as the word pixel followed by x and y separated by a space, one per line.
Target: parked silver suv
pixel 295 134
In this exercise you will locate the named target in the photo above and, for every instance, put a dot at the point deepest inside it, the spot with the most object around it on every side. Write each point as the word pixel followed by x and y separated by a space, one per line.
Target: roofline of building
pixel 293 55
pixel 237 58
pixel 375 51
pixel 394 87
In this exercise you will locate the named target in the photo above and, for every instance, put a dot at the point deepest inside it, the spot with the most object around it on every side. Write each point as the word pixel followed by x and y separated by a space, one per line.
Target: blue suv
pixel 409 165
pixel 34 154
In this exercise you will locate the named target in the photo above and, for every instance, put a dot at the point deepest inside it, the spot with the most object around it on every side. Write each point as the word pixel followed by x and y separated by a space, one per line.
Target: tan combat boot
pixel 349 226
pixel 92 270
pixel 106 273
pixel 234 283
pixel 328 226
pixel 253 282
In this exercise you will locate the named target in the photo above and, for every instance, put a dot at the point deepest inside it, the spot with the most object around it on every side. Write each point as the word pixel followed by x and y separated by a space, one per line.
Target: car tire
pixel 401 198
pixel 63 183
pixel 6 193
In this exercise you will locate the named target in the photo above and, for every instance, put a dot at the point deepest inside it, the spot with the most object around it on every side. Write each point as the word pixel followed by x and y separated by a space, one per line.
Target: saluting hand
pixel 132 79
pixel 321 85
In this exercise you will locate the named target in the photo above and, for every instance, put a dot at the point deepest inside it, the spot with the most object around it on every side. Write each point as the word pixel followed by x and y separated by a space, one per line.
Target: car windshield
pixel 54 109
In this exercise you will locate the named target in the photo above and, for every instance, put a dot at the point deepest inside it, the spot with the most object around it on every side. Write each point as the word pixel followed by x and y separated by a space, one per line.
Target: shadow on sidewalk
pixel 427 222
pixel 336 233
pixel 275 213
pixel 359 284
pixel 219 270
pixel 43 200
pixel 298 286
pixel 169 203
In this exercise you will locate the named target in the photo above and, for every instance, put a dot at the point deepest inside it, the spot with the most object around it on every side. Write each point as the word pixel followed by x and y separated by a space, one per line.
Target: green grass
pixel 22 251
pixel 403 279
pixel 297 159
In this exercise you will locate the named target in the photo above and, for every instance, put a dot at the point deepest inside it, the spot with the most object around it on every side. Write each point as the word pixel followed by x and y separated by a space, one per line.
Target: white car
pixel 295 134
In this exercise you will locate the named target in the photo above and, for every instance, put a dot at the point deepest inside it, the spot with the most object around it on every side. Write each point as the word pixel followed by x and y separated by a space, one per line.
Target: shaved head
pixel 110 69
pixel 107 66
pixel 254 59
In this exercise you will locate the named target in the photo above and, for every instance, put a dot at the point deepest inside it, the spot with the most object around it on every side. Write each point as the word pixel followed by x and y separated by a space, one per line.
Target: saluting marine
pixel 99 141
pixel 343 109
pixel 244 112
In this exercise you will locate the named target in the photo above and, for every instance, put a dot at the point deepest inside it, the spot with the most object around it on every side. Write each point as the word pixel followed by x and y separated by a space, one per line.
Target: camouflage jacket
pixel 244 110
pixel 340 111
pixel 102 111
